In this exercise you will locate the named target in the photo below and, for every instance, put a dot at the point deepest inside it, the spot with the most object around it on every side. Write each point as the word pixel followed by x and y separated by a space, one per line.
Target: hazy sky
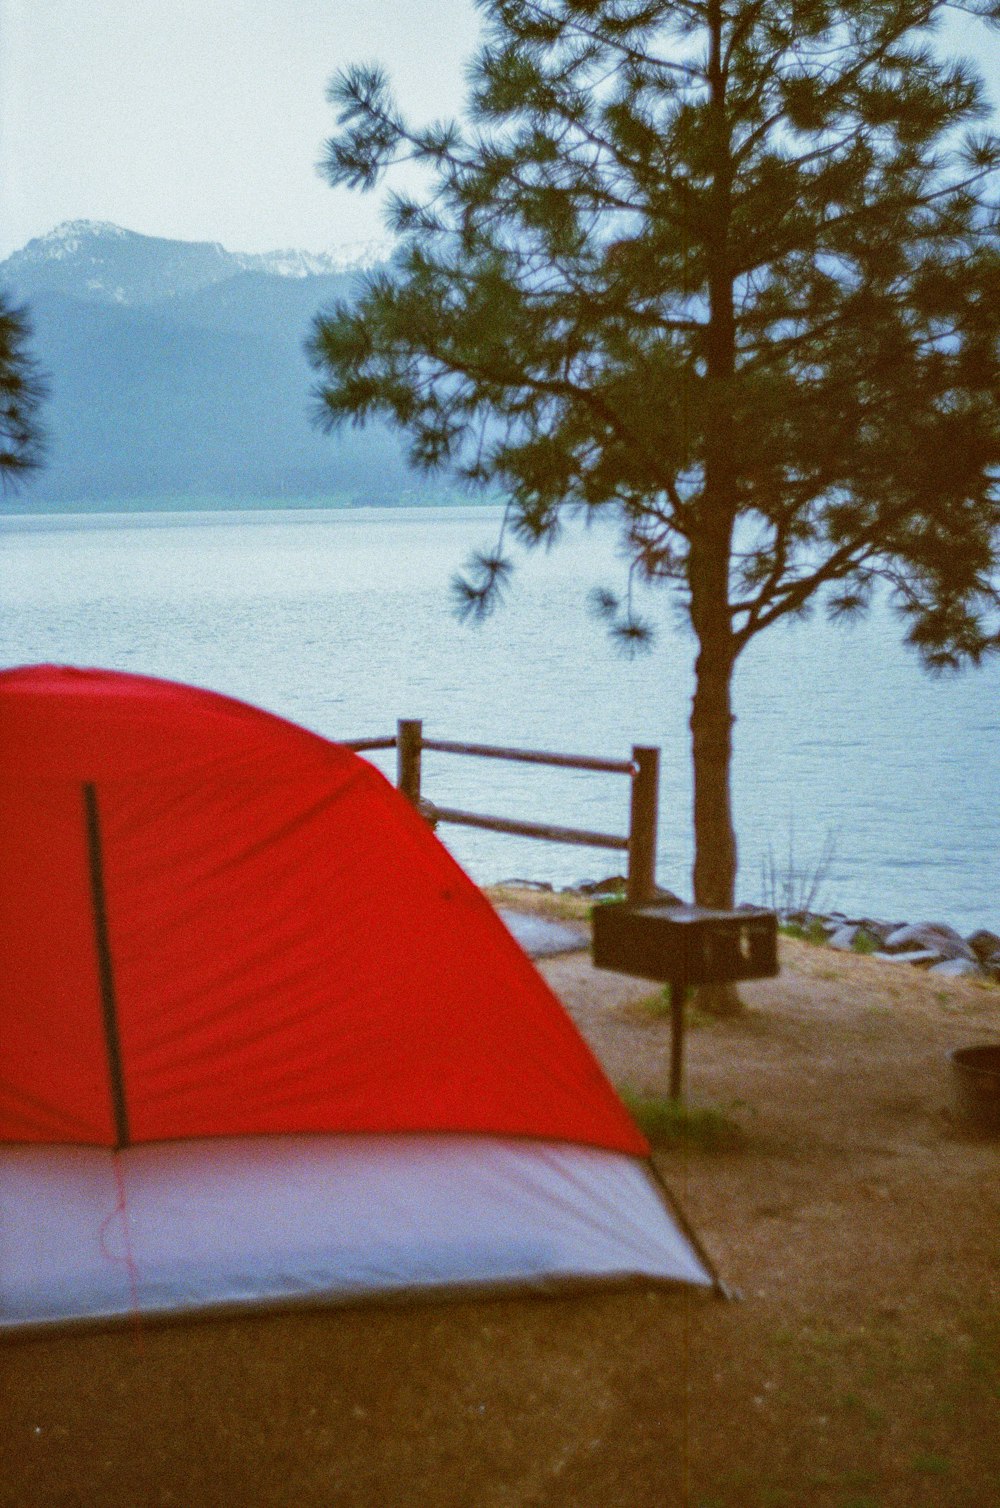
pixel 203 119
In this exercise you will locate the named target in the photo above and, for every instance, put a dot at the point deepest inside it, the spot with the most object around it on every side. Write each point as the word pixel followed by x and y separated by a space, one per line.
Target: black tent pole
pixel 104 969
pixel 720 1288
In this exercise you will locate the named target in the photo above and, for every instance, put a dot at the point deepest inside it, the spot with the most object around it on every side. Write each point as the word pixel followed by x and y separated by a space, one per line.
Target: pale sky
pixel 203 119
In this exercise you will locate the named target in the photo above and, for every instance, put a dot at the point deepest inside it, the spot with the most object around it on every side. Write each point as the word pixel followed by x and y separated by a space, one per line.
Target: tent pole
pixel 720 1287
pixel 105 972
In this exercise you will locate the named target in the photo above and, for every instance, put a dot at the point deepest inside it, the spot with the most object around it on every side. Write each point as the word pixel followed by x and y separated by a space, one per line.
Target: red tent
pixel 217 927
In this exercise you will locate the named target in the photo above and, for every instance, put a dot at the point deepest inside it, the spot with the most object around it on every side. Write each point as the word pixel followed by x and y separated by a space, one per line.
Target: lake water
pixel 342 621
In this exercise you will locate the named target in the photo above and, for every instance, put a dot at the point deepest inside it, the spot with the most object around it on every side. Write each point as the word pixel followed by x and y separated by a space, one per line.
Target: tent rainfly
pixel 262 1041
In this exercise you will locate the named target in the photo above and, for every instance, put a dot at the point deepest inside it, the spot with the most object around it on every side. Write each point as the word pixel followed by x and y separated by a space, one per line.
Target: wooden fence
pixel 643 770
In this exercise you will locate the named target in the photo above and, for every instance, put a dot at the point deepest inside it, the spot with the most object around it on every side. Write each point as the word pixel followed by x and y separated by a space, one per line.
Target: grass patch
pixel 815 932
pixel 860 1406
pixel 931 1464
pixel 670 1122
pixel 557 905
pixel 657 1006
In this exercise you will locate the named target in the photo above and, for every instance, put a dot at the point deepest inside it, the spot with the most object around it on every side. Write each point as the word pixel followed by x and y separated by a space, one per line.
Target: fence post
pixel 642 825
pixel 409 742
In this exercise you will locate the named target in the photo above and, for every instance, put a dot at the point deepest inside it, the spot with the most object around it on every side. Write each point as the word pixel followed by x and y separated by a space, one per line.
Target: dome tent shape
pixel 261 1039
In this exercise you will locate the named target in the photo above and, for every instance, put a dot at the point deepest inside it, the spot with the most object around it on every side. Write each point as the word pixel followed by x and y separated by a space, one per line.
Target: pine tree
pixel 21 392
pixel 727 268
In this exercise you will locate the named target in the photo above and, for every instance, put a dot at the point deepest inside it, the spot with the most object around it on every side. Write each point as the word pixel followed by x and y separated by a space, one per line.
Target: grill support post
pixel 678 994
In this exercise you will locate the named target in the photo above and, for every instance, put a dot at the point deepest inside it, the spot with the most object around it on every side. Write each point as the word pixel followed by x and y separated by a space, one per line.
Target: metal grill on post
pixel 680 946
pixel 676 945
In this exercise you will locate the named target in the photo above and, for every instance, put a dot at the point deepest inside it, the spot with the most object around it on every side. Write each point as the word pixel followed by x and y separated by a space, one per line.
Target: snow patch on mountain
pixel 69 239
pixel 116 264
pixel 302 264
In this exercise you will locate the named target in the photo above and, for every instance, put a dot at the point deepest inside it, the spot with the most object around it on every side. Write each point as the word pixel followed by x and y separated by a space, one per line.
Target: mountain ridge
pixel 178 371
pixel 102 250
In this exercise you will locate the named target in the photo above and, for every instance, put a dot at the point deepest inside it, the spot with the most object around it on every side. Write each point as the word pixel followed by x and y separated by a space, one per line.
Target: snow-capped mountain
pixel 93 259
pixel 352 256
pixel 178 370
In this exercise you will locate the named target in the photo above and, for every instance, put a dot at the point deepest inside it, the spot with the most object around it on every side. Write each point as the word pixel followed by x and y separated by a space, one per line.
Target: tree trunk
pixel 714 877
pixel 711 736
pixel 711 542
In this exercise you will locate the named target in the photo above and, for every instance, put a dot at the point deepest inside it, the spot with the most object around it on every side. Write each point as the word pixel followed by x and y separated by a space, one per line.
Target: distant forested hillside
pixel 178 377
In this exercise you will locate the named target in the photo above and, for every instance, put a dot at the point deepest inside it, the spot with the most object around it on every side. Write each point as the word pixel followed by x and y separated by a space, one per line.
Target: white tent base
pixel 178 1227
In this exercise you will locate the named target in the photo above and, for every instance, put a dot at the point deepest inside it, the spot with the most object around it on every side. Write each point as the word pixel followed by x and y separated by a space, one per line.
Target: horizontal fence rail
pixel 643 770
pixel 524 829
pixel 363 745
pixel 532 756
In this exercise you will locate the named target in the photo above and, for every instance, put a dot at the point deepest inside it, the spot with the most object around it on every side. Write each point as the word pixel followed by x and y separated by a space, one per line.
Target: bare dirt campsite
pixel 834 1187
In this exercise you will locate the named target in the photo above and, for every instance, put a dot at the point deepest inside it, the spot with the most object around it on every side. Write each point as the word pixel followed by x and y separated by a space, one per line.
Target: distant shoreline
pixel 24 520
pixel 21 506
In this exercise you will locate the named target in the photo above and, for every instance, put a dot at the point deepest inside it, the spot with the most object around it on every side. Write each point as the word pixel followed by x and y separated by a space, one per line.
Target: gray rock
pixel 943 930
pixel 880 930
pixel 856 937
pixel 617 884
pixel 843 938
pixel 957 968
pixel 608 886
pixel 902 938
pixel 921 957
pixel 984 945
pixel 928 935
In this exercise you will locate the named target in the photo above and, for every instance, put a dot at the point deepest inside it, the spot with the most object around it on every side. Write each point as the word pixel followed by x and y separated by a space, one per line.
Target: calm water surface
pixel 342 621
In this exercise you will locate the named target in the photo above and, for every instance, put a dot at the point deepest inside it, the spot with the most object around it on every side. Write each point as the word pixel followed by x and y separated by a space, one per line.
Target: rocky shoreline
pixel 934 946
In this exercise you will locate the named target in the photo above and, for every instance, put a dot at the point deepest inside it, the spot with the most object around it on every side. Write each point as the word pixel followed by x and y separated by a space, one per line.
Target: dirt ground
pixel 861 1368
